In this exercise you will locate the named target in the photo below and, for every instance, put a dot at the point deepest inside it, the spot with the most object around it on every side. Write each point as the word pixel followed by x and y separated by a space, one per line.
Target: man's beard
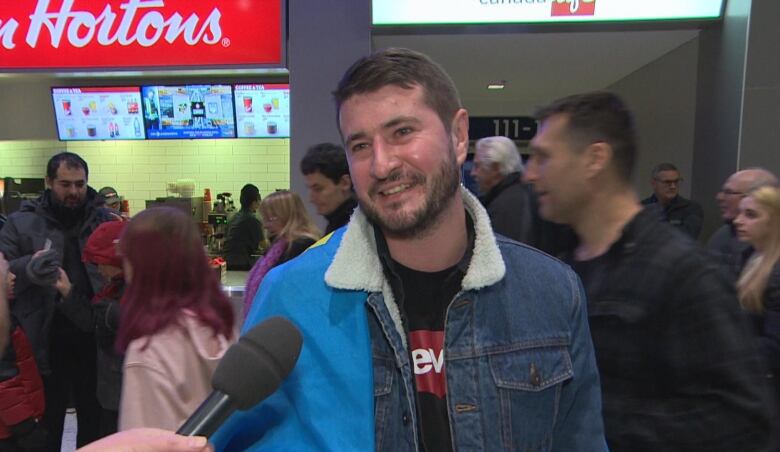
pixel 67 214
pixel 442 185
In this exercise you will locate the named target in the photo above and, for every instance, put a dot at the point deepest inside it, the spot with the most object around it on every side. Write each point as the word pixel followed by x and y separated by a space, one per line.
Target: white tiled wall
pixel 140 170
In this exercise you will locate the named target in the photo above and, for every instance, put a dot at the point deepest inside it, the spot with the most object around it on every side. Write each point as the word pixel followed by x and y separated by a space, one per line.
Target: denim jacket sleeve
pixel 580 426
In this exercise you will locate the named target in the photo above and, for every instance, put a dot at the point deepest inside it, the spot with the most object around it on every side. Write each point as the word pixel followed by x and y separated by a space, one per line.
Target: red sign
pixel 573 7
pixel 139 33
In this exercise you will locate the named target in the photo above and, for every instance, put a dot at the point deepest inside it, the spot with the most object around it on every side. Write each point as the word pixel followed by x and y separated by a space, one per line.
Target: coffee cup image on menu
pixel 91 130
pixel 249 128
pixel 85 110
pixel 271 128
pixel 268 108
pixel 66 106
pixel 248 104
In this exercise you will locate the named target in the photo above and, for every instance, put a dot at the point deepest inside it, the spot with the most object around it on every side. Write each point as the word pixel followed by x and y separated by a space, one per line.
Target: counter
pixel 233 286
pixel 234 281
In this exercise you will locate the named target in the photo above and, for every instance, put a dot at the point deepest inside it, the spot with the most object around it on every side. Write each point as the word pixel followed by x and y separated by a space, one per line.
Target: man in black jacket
pixel 682 213
pixel 245 231
pixel 326 172
pixel 679 369
pixel 497 169
pixel 43 243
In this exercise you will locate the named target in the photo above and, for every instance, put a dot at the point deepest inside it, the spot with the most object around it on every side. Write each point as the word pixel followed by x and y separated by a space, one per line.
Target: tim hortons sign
pixel 122 34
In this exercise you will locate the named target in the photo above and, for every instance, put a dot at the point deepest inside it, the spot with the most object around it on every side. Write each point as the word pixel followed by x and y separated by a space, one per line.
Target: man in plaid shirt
pixel 679 368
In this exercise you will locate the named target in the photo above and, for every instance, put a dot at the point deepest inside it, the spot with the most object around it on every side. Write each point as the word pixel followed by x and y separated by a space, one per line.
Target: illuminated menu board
pixel 188 111
pixel 414 12
pixel 262 110
pixel 98 113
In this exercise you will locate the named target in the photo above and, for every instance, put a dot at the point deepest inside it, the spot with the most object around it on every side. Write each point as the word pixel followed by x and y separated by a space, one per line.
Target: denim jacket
pixel 520 366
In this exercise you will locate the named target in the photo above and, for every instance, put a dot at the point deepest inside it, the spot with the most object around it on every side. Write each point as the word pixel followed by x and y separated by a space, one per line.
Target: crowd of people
pixel 433 319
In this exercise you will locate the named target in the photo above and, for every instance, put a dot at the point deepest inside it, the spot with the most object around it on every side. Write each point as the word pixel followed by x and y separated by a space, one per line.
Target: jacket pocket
pixel 528 385
pixel 383 375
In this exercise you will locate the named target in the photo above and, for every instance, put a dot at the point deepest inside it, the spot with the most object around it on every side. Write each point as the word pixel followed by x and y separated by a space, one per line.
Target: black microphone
pixel 251 370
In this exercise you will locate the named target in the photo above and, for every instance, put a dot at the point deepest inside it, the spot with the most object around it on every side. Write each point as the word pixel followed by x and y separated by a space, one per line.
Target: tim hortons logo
pixel 136 21
pixel 573 7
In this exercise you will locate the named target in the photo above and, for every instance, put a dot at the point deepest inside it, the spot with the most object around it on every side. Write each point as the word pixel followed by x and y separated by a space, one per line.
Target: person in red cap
pixel 101 250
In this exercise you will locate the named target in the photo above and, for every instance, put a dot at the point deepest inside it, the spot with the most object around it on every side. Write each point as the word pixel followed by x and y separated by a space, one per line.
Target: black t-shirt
pixel 592 272
pixel 426 297
pixel 422 298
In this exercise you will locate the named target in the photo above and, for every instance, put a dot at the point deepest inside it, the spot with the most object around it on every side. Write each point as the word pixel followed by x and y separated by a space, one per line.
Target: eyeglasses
pixel 670 182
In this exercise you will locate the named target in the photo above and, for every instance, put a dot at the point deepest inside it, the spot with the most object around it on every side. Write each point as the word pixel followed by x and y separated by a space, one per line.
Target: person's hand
pixel 148 440
pixel 6 282
pixel 63 284
pixel 10 282
pixel 121 216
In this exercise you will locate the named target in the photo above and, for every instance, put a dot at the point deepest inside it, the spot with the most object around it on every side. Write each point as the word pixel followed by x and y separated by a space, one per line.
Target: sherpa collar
pixel 356 265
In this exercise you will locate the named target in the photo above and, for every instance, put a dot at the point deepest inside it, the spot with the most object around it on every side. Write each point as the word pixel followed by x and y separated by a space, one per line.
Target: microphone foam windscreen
pixel 254 367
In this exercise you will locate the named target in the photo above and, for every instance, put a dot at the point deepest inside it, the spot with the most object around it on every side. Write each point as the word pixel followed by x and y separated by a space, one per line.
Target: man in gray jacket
pixel 43 243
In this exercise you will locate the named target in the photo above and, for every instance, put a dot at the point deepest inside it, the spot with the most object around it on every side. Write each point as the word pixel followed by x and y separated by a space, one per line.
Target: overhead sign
pixel 429 12
pixel 514 127
pixel 121 34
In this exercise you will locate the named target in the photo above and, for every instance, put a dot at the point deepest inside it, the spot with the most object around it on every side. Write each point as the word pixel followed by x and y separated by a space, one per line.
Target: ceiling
pixel 537 67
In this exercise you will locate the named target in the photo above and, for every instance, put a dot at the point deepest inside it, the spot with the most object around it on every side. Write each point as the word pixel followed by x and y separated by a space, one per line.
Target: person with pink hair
pixel 176 321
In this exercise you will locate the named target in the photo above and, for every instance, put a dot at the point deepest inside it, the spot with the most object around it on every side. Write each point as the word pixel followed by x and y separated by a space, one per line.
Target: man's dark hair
pixel 406 69
pixel 249 194
pixel 665 166
pixel 595 117
pixel 70 160
pixel 327 158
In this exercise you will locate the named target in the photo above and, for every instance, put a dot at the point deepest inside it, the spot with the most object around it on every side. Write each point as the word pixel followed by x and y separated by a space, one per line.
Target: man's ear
pixel 48 181
pixel 599 156
pixel 460 135
pixel 345 182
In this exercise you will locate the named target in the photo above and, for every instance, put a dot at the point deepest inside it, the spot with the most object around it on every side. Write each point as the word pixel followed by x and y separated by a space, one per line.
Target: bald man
pixel 724 241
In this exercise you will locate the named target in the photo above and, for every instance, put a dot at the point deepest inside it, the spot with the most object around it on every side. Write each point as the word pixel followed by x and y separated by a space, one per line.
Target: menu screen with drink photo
pixel 98 113
pixel 188 111
pixel 263 110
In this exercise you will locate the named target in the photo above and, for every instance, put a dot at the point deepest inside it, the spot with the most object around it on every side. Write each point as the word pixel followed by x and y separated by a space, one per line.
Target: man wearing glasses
pixel 724 241
pixel 680 212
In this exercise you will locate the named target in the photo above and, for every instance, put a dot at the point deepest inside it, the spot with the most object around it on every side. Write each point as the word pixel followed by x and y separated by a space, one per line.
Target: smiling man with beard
pixel 422 329
pixel 43 243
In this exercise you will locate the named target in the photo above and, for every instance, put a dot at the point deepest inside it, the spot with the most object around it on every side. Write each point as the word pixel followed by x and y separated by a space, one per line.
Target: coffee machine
pixel 218 220
pixel 191 206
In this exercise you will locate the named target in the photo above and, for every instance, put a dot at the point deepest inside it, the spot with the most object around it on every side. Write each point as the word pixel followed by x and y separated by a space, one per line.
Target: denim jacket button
pixel 405 418
pixel 536 379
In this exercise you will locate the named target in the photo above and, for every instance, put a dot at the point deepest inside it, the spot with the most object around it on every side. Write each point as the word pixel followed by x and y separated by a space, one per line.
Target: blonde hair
pixel 754 278
pixel 288 208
